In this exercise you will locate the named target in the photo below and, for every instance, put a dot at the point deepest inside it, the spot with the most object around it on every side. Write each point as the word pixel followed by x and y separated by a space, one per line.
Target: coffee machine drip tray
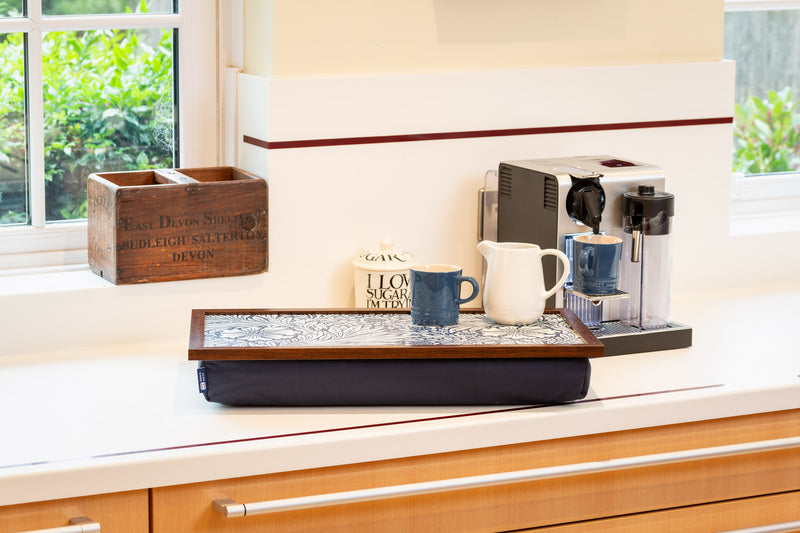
pixel 597 299
pixel 621 339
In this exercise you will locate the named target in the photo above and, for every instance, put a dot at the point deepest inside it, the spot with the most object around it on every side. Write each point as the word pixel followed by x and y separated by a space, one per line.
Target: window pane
pixel 108 106
pixel 766 48
pixel 10 8
pixel 13 164
pixel 105 7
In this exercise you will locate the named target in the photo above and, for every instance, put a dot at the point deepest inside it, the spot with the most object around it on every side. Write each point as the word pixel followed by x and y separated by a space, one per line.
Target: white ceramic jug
pixel 513 292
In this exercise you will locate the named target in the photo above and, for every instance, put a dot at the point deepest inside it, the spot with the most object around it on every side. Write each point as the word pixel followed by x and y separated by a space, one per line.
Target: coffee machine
pixel 548 202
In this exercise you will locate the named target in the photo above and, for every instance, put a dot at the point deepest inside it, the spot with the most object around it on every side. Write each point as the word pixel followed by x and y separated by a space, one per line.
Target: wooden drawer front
pixel 505 507
pixel 124 512
pixel 713 517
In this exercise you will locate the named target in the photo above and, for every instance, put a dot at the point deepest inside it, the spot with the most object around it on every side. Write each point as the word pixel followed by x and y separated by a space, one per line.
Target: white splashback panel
pixel 327 203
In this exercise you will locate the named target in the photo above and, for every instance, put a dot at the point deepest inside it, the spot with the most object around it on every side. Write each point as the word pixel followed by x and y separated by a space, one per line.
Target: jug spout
pixel 486 248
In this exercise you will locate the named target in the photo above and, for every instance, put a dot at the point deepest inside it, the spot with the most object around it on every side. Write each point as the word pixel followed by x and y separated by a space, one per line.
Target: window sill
pixel 37 281
pixel 765 204
pixel 77 309
pixel 57 247
pixel 765 223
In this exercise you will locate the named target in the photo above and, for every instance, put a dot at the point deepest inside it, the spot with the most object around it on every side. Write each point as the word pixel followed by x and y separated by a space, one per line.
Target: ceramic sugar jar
pixel 382 277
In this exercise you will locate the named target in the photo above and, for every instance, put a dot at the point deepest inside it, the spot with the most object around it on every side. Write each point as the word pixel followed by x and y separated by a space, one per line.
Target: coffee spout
pixel 588 202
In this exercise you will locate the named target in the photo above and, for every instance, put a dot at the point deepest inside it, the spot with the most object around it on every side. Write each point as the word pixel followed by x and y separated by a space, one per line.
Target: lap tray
pixel 358 357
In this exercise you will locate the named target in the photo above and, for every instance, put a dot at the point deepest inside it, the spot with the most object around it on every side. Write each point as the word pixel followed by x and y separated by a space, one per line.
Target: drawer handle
pixel 81 524
pixel 783 527
pixel 230 508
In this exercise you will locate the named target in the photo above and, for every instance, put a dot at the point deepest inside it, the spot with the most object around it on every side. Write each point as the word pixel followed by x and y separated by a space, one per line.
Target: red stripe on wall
pixel 343 141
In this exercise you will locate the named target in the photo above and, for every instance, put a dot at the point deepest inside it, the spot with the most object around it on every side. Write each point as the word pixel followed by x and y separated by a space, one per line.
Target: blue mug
pixel 436 294
pixel 595 264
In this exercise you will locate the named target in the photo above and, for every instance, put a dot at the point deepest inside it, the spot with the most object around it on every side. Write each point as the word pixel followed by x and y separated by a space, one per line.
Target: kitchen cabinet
pixel 123 512
pixel 724 516
pixel 691 490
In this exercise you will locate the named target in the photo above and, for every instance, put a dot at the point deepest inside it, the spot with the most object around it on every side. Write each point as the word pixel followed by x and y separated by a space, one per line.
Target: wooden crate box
pixel 165 225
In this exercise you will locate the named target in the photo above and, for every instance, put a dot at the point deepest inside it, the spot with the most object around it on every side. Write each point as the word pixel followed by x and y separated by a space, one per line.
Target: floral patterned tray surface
pixel 376 329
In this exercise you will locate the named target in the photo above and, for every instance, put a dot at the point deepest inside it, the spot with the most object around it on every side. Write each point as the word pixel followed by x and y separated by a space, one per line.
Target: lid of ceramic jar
pixel 387 258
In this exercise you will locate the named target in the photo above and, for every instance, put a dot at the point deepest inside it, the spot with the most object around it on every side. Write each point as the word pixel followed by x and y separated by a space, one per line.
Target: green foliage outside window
pixel 765 45
pixel 767 134
pixel 108 106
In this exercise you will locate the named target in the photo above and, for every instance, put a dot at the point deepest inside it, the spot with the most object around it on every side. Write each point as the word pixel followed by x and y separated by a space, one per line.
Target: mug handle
pixel 563 258
pixel 473 282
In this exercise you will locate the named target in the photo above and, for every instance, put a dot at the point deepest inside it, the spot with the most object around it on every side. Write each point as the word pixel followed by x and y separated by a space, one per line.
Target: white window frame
pixel 768 203
pixel 44 247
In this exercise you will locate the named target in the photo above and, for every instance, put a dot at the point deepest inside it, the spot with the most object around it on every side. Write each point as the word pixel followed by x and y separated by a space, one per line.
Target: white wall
pixel 327 203
pixel 313 38
pixel 362 68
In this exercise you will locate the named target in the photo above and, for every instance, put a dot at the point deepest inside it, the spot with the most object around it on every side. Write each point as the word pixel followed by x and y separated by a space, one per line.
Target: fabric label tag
pixel 201 380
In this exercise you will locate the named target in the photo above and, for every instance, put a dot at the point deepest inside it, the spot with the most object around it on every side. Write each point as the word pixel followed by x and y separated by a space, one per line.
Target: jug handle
pixel 563 258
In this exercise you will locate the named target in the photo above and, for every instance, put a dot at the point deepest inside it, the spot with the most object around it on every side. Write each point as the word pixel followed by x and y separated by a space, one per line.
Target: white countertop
pixel 131 417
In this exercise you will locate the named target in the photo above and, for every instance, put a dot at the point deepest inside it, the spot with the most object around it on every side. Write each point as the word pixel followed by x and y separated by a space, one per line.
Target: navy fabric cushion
pixel 396 381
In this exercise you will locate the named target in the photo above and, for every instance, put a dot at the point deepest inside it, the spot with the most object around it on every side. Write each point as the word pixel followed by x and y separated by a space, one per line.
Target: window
pixel 89 86
pixel 763 37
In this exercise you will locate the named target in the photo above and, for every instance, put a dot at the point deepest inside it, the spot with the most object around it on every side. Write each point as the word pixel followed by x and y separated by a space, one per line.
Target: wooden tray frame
pixel 591 347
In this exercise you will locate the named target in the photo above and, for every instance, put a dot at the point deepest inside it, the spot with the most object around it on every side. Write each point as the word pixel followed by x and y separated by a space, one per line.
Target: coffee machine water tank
pixel 646 267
